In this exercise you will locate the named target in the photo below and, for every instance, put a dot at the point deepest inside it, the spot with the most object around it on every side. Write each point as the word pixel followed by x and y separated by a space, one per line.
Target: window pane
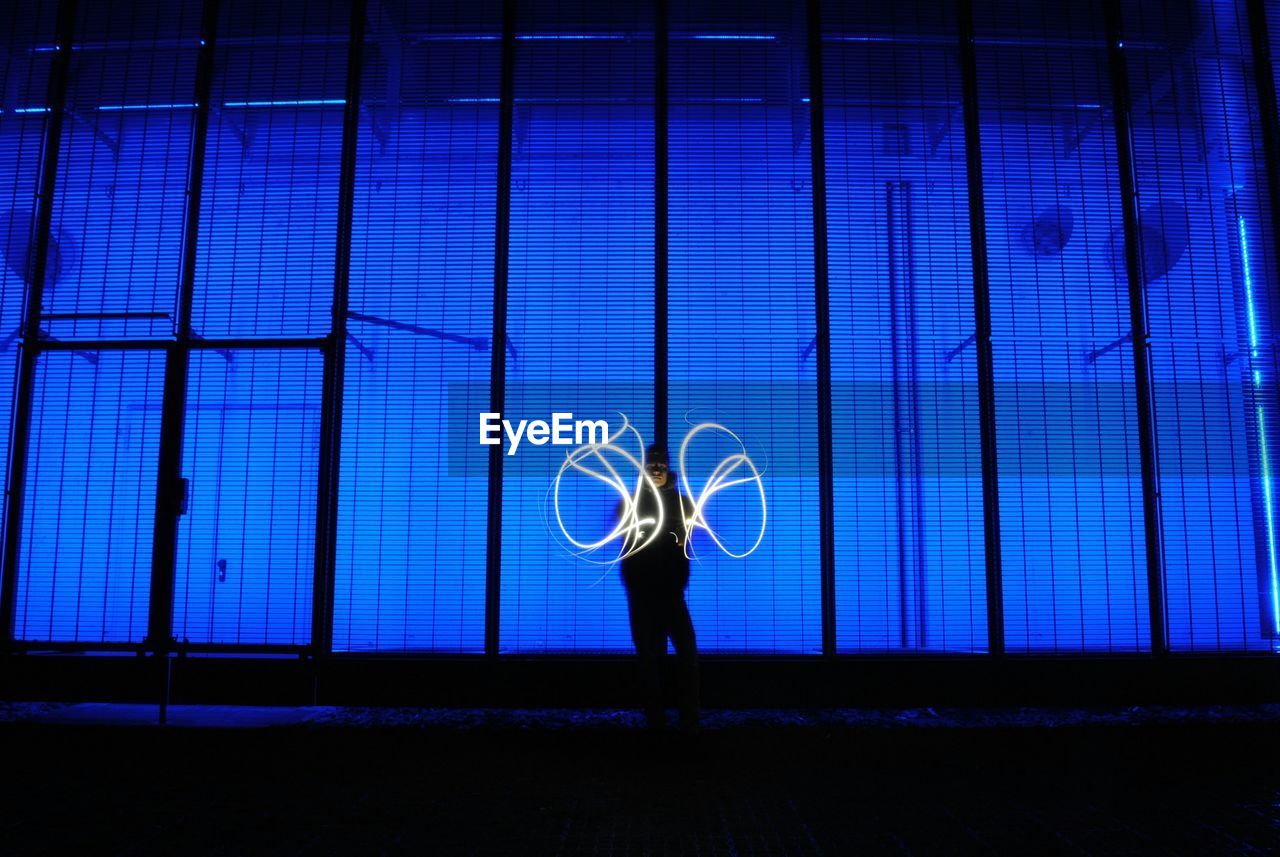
pixel 1207 261
pixel 580 311
pixel 25 32
pixel 1071 531
pixel 246 547
pixel 910 566
pixel 116 240
pixel 88 514
pixel 742 314
pixel 412 514
pixel 269 210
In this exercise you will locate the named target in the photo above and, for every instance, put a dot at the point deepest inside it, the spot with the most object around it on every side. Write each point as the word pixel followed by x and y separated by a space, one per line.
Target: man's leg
pixel 648 633
pixel 681 628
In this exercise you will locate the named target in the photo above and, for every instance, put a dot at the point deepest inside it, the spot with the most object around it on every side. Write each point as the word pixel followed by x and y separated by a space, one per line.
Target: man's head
pixel 655 463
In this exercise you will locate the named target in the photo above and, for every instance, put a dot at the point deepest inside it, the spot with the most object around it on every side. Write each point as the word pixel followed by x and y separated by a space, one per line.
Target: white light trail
pixel 591 460
pixel 719 480
pixel 630 526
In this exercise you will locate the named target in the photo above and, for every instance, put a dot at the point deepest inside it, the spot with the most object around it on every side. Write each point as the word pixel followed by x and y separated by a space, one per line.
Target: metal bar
pixel 479 343
pixel 955 352
pixel 30 346
pixel 195 344
pixel 335 354
pixel 906 414
pixel 413 38
pixel 912 327
pixel 822 315
pixel 661 223
pixel 95 316
pixel 982 331
pixel 1093 355
pixel 365 351
pixel 899 486
pixel 49 344
pixel 498 357
pixel 177 365
pixel 37 646
pixel 1122 116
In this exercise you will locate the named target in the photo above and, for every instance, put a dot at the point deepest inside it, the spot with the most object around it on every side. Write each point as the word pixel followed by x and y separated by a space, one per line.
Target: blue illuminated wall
pixel 1072 545
pixel 411 538
pixel 910 561
pixel 396 378
pixel 580 311
pixel 741 312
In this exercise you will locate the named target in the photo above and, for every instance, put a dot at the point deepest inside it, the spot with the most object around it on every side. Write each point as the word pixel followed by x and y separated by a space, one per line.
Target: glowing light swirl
pixel 719 480
pixel 629 525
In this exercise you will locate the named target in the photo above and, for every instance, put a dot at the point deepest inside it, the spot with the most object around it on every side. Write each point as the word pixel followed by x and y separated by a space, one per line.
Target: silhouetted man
pixel 655 578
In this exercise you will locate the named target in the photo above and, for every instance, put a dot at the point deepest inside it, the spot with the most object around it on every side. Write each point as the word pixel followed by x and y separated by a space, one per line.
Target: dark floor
pixel 101 779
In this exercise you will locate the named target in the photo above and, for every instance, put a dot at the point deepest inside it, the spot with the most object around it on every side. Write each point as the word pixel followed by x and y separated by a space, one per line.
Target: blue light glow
pixel 1248 286
pixel 1268 503
pixel 733 37
pixel 115 107
pixel 571 37
pixel 1271 525
pixel 300 102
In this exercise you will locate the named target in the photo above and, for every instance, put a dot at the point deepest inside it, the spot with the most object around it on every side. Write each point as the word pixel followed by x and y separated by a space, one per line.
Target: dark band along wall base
pixel 988 291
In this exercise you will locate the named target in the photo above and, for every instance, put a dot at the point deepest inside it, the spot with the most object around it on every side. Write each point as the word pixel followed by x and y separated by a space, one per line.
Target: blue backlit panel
pixel 1271 11
pixel 1207 263
pixel 122 172
pixel 88 514
pixel 580 311
pixel 1072 545
pixel 741 314
pixel 411 537
pixel 23 81
pixel 413 479
pixel 246 545
pixel 910 564
pixel 269 213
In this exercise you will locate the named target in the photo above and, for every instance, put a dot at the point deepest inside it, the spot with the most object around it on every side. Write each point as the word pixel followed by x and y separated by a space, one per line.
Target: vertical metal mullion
pixel 498 349
pixel 661 222
pixel 822 309
pixel 335 352
pixel 982 331
pixel 177 364
pixel 895 326
pixel 1138 318
pixel 29 347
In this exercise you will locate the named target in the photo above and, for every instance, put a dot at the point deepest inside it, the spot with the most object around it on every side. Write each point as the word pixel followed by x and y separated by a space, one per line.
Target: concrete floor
pixel 228 780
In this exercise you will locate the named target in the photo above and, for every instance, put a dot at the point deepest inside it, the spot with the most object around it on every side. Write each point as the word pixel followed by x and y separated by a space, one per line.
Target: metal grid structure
pixel 183 360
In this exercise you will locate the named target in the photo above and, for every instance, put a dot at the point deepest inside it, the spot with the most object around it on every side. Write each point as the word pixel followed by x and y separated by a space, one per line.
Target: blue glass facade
pixel 332 252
